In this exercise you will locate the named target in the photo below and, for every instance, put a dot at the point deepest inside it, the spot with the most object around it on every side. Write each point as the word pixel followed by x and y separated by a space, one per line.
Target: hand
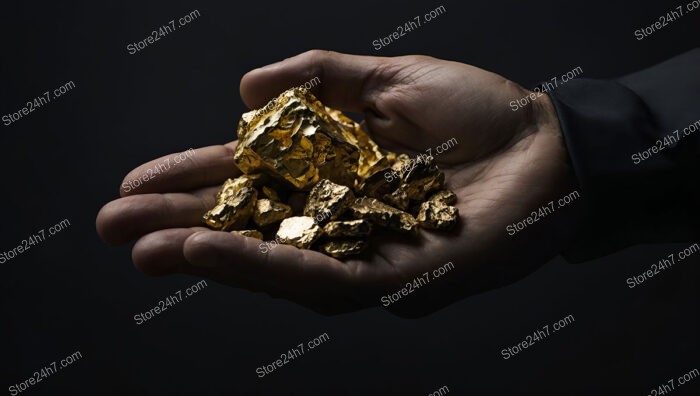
pixel 506 165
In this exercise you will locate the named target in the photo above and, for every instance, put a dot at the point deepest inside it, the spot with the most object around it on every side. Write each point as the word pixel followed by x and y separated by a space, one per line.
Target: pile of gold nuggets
pixel 296 144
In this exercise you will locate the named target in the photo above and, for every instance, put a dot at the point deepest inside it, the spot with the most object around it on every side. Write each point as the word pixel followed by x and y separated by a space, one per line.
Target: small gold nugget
pixel 398 198
pixel 347 228
pixel 421 177
pixel 230 186
pixel 299 231
pixel 249 233
pixel 380 184
pixel 343 248
pixel 382 214
pixel 327 201
pixel 437 216
pixel 234 212
pixel 445 197
pixel 267 212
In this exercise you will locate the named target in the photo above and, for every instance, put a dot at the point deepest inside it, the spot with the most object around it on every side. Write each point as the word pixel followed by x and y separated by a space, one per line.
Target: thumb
pixel 342 81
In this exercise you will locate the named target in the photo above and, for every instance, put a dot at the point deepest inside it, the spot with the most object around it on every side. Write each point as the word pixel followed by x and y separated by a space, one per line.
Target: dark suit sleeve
pixel 634 144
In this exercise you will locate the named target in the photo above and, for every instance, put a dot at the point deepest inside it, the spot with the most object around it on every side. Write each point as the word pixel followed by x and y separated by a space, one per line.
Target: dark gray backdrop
pixel 67 159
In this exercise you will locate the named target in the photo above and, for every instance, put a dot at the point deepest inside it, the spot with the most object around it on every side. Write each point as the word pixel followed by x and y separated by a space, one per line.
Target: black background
pixel 67 159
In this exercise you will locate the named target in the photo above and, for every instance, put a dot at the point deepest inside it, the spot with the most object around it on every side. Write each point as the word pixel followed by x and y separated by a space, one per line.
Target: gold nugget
pixel 299 231
pixel 398 198
pixel 234 212
pixel 382 214
pixel 400 163
pixel 249 233
pixel 267 212
pixel 445 197
pixel 295 139
pixel 421 177
pixel 380 184
pixel 347 228
pixel 371 157
pixel 327 201
pixel 437 216
pixel 343 248
pixel 230 186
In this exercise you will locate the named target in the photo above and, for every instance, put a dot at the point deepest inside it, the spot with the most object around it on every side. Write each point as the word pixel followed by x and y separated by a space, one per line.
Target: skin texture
pixel 506 165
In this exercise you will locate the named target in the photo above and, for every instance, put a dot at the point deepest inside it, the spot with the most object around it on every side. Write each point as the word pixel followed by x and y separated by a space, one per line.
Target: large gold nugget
pixel 343 248
pixel 370 155
pixel 421 177
pixel 267 212
pixel 383 215
pixel 436 216
pixel 230 186
pixel 348 228
pixel 295 139
pixel 249 233
pixel 299 231
pixel 234 212
pixel 327 201
pixel 445 197
pixel 400 163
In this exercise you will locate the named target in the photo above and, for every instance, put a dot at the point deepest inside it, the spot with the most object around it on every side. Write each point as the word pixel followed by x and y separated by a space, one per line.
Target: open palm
pixel 505 165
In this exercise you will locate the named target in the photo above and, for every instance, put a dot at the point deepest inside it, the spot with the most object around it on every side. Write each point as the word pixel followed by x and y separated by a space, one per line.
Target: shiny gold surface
pixel 445 197
pixel 267 212
pixel 370 154
pixel 437 216
pixel 299 231
pixel 327 201
pixel 421 177
pixel 343 248
pixel 398 198
pixel 234 212
pixel 294 139
pixel 249 233
pixel 382 214
pixel 400 163
pixel 230 187
pixel 347 228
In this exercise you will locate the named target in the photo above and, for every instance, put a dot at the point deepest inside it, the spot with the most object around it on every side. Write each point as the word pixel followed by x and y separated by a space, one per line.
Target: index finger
pixel 189 170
